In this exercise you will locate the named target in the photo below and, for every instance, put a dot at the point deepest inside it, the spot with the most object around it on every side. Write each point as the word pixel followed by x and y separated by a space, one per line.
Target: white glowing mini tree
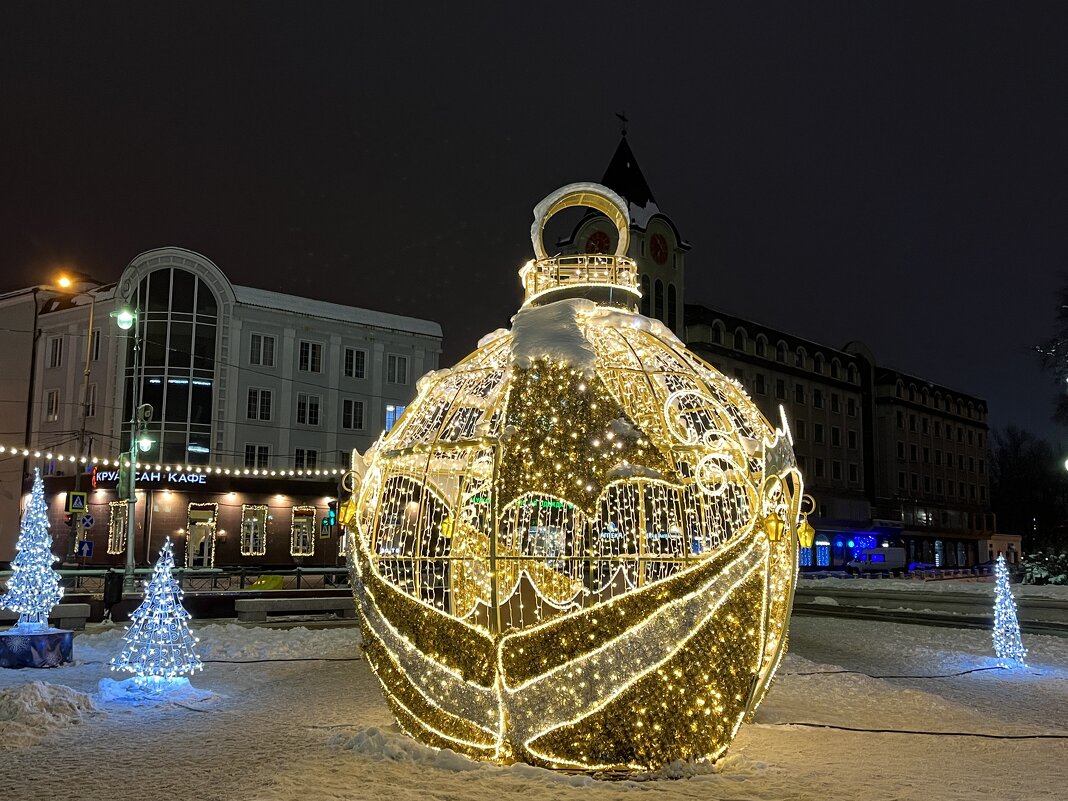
pixel 1007 643
pixel 158 642
pixel 33 588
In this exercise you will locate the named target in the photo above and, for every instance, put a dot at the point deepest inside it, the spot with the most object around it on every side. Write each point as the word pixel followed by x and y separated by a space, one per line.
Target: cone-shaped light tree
pixel 1007 643
pixel 34 587
pixel 158 642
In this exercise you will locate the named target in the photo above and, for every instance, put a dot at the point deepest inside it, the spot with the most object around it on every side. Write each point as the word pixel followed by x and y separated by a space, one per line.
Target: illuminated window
pixel 393 413
pixel 301 540
pixel 823 552
pixel 804 556
pixel 117 527
pixel 253 530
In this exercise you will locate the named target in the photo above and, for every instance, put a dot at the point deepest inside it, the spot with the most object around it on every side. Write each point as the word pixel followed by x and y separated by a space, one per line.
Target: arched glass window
pixel 658 300
pixel 741 340
pixel 761 346
pixel 178 323
pixel 852 374
pixel 817 363
pixel 780 352
pixel 799 357
pixel 645 295
pixel 672 309
pixel 717 333
pixel 835 368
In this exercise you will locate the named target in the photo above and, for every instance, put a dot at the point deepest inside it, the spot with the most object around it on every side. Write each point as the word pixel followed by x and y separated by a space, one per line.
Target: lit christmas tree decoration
pixel 578 547
pixel 34 587
pixel 1007 642
pixel 159 645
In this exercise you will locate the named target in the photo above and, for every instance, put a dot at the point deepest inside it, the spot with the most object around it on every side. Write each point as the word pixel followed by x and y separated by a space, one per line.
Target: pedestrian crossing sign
pixel 76 502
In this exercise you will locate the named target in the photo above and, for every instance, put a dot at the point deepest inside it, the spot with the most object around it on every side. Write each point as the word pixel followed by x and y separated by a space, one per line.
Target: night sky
pixel 893 173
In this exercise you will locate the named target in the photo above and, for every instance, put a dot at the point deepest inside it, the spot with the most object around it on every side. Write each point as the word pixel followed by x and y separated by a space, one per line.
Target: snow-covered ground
pixel 298 729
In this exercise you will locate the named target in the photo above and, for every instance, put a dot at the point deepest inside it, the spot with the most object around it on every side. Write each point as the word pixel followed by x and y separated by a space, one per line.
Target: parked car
pixel 877 560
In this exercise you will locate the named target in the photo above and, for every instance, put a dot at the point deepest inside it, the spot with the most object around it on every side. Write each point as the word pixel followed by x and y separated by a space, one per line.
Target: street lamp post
pixel 140 415
pixel 72 541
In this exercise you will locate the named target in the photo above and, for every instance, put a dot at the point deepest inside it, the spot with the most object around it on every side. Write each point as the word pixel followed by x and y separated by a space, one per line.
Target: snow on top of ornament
pixel 620 318
pixel 492 336
pixel 553 332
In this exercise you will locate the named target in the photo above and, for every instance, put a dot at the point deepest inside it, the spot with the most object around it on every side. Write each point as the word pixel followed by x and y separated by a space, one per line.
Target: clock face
pixel 658 248
pixel 598 242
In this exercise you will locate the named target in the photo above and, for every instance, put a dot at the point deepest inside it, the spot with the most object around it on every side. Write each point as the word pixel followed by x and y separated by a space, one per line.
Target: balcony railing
pixel 596 270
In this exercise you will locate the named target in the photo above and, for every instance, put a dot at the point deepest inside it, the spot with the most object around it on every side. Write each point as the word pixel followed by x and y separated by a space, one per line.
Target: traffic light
pixel 123 489
pixel 68 519
pixel 331 514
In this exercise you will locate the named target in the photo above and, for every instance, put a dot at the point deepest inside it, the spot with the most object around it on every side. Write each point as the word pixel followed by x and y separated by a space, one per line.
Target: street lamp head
pixel 144 443
pixel 124 318
pixel 64 281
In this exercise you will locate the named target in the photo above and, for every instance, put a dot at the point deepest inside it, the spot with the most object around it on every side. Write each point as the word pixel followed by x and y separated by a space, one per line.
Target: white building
pixel 235 375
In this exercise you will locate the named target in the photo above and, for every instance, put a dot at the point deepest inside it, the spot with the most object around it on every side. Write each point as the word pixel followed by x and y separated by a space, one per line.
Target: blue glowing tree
pixel 33 588
pixel 158 642
pixel 1007 643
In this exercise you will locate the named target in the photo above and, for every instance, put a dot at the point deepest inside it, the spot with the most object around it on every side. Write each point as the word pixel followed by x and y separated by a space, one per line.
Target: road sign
pixel 76 502
pixel 87 520
pixel 85 549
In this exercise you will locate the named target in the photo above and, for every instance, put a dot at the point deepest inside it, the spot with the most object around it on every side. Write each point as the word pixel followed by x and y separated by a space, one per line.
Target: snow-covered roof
pixel 265 299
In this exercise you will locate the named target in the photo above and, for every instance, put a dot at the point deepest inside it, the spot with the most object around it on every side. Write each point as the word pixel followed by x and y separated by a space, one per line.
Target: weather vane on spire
pixel 623 119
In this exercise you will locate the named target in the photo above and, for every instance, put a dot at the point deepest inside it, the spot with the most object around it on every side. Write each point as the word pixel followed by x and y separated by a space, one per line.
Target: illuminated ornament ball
pixel 577 548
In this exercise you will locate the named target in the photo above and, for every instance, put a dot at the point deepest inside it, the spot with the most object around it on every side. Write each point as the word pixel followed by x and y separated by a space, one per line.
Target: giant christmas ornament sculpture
pixel 578 547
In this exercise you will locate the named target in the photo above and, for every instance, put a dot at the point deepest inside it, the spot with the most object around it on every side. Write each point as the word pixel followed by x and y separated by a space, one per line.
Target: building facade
pixel 842 408
pixel 235 376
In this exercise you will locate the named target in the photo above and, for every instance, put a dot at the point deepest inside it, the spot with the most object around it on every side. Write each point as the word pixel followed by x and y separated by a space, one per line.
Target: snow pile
pixel 553 332
pixel 492 336
pixel 982 586
pixel 30 712
pixel 609 317
pixel 824 600
pixel 382 744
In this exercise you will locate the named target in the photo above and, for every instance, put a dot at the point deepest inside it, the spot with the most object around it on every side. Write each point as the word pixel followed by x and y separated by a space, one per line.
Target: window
pixel 305 458
pixel 982 467
pixel 971 491
pixel 94 346
pixel 900 449
pixel 912 422
pixel 740 339
pixel 799 358
pixel 780 353
pixel 352 414
pixel 900 419
pixel 393 414
pixel 938 457
pixel 927 455
pixel 262 350
pixel 835 368
pixel 257 455
pixel 960 434
pixel 852 374
pixel 971 437
pixel 739 375
pixel 960 462
pixel 253 530
pixel 915 482
pixel 311 357
pixel 982 496
pixel 817 363
pixel 949 431
pixel 926 483
pixel 55 351
pixel 836 402
pixel 758 384
pixel 836 470
pixel 912 452
pixel 979 439
pixel 851 440
pixel 308 409
pixel 854 473
pixel 817 398
pixel 259 404
pixel 938 486
pixel 925 425
pixel 717 334
pixel 761 346
pixel 901 480
pixel 397 369
pixel 799 394
pixel 950 487
pixel 817 432
pixel 836 436
pixel 938 428
pixel 851 407
pixel 90 402
pixel 780 389
pixel 302 531
pixel 819 468
pixel 800 426
pixel 971 464
pixel 52 406
pixel 355 363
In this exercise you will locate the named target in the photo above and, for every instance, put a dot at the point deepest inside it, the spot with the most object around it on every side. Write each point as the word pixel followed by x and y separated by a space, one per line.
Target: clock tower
pixel 655 242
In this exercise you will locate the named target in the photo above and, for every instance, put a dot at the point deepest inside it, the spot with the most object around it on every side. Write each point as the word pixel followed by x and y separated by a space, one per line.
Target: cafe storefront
pixel 213 520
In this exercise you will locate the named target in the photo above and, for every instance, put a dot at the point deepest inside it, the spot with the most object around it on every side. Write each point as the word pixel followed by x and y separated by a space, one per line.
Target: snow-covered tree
pixel 34 587
pixel 158 642
pixel 1007 643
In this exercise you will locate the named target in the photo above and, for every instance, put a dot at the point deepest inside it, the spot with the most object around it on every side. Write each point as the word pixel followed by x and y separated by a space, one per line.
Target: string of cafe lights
pixel 220 470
